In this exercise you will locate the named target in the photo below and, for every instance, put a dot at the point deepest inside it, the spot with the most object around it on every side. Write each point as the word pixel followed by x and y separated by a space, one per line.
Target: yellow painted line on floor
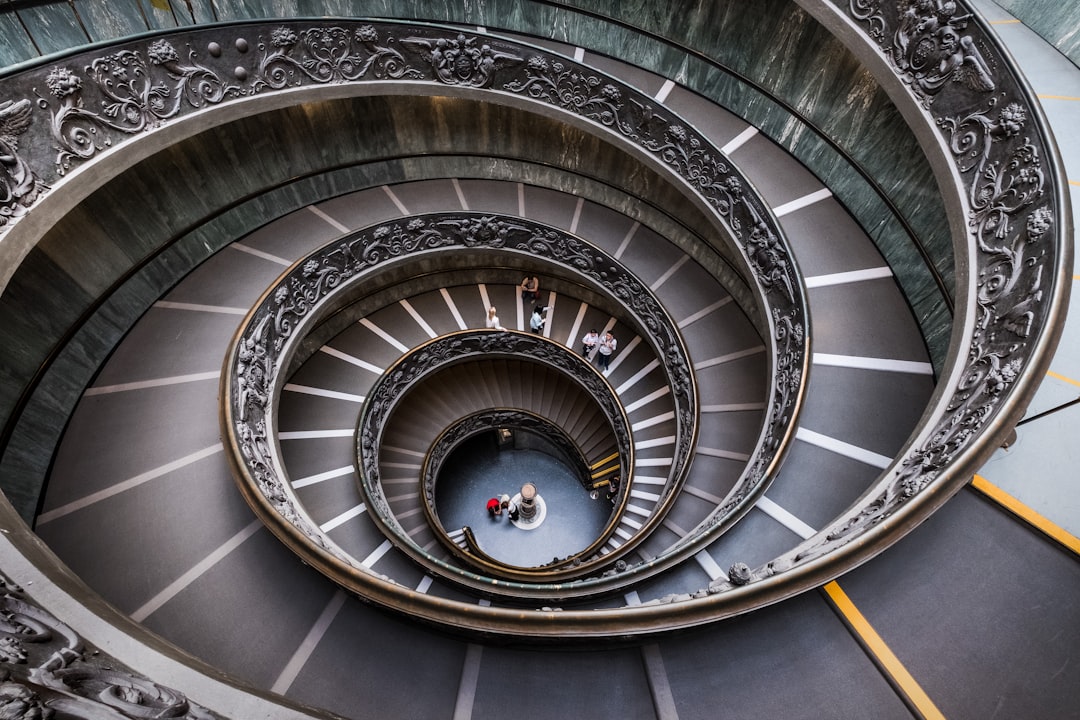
pixel 881 653
pixel 1075 182
pixel 1057 97
pixel 1062 378
pixel 1022 511
pixel 1014 21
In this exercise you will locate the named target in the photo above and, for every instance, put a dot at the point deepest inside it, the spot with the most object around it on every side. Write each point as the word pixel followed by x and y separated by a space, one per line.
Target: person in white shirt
pixel 589 342
pixel 536 322
pixel 493 319
pixel 607 346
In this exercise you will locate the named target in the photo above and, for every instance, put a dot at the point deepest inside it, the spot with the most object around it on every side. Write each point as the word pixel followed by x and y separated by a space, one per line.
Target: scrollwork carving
pixel 134 93
pixel 49 672
pixel 1010 213
pixel 328 55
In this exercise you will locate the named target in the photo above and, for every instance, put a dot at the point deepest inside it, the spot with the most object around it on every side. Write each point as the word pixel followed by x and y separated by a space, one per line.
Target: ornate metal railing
pixel 1014 224
pixel 1015 228
pixel 321 283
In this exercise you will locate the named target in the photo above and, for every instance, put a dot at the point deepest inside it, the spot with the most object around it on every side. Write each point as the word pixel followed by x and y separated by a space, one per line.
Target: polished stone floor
pixel 479 470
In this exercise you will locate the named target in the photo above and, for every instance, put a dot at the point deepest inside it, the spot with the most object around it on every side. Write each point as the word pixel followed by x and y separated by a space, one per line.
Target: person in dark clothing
pixel 530 288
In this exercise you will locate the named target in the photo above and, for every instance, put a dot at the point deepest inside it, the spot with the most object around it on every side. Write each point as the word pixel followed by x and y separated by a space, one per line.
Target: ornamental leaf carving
pixel 129 94
pixel 328 55
pixel 49 672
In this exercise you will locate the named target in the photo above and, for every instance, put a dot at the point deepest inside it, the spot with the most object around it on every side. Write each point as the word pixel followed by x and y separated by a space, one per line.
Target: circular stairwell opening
pixel 569 516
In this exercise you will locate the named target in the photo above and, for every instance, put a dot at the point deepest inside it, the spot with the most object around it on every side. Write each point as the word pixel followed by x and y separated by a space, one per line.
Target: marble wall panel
pixel 105 20
pixel 161 14
pixel 203 11
pixel 37 309
pixel 15 45
pixel 54 27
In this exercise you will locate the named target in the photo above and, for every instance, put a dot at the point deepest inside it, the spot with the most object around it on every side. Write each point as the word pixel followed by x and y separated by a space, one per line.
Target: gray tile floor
pixel 573 519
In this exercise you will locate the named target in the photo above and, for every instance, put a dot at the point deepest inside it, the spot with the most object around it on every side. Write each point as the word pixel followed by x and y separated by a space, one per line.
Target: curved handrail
pixel 417 367
pixel 294 55
pixel 318 284
pixel 1009 188
pixel 1013 207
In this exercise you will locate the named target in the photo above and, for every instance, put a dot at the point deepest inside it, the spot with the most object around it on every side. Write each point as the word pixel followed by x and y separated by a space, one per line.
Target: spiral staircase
pixel 344 595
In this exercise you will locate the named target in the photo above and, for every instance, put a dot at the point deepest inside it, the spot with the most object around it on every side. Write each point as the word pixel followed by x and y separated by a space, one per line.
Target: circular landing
pixel 479 470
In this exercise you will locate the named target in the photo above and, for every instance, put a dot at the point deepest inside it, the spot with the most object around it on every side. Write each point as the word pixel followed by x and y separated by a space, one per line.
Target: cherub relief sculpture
pixel 930 49
pixel 19 187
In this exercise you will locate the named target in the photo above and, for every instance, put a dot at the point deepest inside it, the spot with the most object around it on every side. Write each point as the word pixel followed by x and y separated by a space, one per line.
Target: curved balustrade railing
pixel 1007 185
pixel 320 283
pixel 98 102
pixel 1016 226
pixel 420 365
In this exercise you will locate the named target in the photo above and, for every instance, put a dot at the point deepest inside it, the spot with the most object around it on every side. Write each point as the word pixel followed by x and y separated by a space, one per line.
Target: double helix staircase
pixel 322 399
pixel 141 502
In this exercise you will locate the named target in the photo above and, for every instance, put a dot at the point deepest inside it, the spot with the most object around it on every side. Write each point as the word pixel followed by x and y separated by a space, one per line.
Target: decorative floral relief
pixel 130 95
pixel 328 55
pixel 48 672
pixel 572 88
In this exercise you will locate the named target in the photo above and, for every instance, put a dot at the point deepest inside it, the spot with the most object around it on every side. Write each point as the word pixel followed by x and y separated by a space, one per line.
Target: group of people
pixel 497 505
pixel 602 346
pixel 536 321
pixel 592 342
pixel 530 291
